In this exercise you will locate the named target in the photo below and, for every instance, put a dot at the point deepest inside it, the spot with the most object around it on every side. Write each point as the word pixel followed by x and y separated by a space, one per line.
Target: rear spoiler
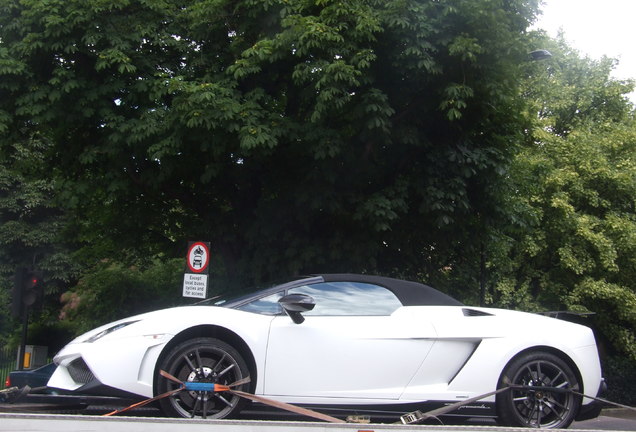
pixel 571 316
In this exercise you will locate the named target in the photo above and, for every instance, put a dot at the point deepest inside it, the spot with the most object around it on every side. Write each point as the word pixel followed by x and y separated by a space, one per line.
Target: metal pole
pixel 25 325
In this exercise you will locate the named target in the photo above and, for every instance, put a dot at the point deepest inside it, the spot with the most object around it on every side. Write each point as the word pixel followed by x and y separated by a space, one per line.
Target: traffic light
pixel 30 288
pixel 27 290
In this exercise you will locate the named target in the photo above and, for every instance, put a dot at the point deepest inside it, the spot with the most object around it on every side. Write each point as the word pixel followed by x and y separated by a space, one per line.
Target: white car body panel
pixel 308 360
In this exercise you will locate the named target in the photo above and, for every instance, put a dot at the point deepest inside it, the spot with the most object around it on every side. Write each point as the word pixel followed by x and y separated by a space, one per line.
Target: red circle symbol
pixel 198 257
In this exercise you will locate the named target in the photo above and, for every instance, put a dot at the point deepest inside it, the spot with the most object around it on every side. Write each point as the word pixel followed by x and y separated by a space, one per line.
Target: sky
pixel 596 28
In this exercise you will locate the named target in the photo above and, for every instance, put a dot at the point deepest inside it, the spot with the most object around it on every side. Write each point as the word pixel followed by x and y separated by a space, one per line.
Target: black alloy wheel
pixel 541 394
pixel 204 360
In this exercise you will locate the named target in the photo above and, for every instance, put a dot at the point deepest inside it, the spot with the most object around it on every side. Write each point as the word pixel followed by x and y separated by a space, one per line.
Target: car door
pixel 350 346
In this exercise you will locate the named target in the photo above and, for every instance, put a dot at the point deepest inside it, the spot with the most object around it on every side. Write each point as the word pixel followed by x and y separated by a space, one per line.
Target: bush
pixel 114 291
pixel 620 374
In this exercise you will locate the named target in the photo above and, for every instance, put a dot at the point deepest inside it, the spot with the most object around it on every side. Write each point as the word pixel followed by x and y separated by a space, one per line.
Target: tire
pixel 205 360
pixel 535 407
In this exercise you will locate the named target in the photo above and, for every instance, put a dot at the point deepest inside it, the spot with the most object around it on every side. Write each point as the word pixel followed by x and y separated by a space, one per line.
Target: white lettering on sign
pixel 195 285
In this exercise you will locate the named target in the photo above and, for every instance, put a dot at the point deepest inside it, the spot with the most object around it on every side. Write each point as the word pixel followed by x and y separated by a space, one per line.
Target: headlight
pixel 109 330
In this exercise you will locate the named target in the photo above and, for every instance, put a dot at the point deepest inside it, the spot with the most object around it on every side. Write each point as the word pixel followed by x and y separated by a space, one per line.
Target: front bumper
pixel 112 367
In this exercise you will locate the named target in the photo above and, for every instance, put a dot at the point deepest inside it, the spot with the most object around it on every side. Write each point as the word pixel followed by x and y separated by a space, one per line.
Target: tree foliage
pixel 111 291
pixel 31 223
pixel 572 243
pixel 295 135
pixel 581 248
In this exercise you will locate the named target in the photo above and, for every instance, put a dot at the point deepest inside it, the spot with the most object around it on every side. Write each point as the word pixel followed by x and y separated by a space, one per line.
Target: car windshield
pixel 228 299
pixel 232 299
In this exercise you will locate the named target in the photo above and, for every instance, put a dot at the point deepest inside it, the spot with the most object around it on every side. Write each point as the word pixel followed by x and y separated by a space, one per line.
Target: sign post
pixel 195 279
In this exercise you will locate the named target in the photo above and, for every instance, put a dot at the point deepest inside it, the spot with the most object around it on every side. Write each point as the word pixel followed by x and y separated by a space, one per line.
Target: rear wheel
pixel 545 401
pixel 204 360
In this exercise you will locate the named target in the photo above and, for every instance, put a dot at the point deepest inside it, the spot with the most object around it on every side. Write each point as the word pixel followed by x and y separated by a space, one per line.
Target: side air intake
pixel 79 371
pixel 474 313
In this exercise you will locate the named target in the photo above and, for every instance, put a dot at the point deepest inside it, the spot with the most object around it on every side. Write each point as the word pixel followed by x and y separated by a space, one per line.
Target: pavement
pixel 622 413
pixel 609 420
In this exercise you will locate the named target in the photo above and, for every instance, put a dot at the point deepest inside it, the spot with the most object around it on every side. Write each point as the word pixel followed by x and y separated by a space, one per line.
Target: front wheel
pixel 205 360
pixel 546 401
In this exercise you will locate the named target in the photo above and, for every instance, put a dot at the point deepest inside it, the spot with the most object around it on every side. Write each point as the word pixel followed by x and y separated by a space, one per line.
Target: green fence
pixel 7 363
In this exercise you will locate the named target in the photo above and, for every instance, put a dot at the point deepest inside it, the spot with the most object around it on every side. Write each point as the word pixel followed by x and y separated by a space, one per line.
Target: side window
pixel 349 298
pixel 265 305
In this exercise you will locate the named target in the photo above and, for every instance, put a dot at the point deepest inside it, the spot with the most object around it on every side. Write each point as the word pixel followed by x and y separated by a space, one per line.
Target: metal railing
pixel 8 358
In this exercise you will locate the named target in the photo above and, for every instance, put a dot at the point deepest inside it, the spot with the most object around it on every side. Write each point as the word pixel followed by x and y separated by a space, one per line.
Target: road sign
pixel 198 257
pixel 195 285
pixel 195 279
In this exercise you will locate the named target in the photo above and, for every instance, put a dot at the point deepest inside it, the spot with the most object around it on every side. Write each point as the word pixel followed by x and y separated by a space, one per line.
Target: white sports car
pixel 352 344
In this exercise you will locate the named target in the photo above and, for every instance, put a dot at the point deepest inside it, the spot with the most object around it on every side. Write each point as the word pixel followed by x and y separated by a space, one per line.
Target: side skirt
pixel 393 412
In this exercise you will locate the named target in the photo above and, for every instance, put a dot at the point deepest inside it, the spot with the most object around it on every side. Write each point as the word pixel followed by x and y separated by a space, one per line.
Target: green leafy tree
pixel 571 91
pixel 581 252
pixel 572 243
pixel 296 135
pixel 31 228
pixel 111 291
pixel 577 251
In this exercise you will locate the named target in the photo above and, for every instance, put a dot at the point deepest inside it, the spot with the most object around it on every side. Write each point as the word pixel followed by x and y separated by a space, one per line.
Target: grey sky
pixel 596 28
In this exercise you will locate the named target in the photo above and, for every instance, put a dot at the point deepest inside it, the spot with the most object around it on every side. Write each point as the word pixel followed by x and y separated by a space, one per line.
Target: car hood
pixel 159 321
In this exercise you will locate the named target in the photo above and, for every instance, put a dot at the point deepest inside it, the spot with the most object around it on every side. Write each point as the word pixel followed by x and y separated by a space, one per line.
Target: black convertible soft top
pixel 409 293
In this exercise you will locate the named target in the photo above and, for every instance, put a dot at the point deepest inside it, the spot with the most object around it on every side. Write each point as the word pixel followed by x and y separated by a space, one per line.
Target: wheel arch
pixel 524 408
pixel 545 348
pixel 212 331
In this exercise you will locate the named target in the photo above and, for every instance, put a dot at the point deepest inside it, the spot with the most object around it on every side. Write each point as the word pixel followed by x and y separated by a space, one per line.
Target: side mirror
pixel 294 304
